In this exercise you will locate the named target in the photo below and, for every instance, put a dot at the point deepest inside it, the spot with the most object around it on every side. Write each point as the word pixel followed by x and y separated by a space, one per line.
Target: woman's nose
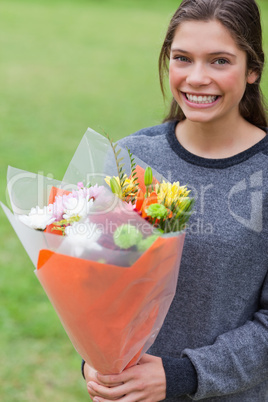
pixel 198 76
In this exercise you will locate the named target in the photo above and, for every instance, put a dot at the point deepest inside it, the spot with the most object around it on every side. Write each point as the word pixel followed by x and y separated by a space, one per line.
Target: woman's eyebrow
pixel 179 50
pixel 218 53
pixel 222 52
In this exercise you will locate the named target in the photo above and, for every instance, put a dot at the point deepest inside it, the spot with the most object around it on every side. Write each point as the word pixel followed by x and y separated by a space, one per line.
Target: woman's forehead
pixel 209 36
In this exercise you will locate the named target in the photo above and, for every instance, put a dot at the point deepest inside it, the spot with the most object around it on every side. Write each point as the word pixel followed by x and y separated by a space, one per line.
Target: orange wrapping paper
pixel 112 314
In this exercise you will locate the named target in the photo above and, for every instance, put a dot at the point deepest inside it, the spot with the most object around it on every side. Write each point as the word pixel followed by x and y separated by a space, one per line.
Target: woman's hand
pixel 144 382
pixel 91 375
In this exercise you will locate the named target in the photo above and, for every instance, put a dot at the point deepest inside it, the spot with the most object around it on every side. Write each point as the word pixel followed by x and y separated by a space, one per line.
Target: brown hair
pixel 242 19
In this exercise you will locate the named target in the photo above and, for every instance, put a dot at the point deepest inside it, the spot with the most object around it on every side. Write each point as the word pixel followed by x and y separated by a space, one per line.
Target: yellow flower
pixel 168 193
pixel 129 185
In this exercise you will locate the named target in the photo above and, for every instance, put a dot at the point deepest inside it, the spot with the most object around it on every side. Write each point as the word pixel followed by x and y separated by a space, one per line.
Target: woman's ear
pixel 252 77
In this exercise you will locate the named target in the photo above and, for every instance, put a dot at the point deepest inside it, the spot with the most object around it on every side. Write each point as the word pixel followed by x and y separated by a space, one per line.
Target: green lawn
pixel 64 66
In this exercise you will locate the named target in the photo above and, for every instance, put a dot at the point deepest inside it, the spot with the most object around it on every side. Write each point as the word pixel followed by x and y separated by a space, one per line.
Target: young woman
pixel 213 345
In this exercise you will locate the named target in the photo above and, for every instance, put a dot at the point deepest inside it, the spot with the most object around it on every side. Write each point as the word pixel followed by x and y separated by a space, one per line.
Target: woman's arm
pixel 237 360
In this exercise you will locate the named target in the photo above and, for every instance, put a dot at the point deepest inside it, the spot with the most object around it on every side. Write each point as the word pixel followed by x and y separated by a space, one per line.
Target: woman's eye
pixel 221 61
pixel 184 59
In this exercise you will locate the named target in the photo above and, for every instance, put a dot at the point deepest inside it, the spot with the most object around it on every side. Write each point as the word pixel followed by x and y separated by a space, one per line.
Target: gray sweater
pixel 214 341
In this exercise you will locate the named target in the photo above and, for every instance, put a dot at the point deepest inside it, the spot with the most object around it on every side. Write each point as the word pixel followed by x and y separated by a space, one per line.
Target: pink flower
pixel 78 202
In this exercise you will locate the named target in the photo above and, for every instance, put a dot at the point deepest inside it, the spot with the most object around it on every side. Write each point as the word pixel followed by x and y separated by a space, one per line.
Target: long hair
pixel 242 19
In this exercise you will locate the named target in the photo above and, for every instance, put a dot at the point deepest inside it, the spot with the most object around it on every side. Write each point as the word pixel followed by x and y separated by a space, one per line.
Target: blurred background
pixel 65 65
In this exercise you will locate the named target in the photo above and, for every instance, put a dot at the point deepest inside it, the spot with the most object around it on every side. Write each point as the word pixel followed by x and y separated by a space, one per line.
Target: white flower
pixel 77 206
pixel 83 237
pixel 38 218
pixel 84 231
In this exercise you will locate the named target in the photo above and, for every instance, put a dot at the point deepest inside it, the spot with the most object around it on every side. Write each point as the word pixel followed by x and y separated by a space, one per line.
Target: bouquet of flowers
pixel 106 249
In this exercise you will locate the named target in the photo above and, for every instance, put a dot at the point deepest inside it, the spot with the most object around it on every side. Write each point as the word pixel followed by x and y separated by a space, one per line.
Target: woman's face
pixel 207 72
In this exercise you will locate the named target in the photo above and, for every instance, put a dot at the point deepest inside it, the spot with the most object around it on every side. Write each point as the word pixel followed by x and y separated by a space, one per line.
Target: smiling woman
pixel 208 82
pixel 213 344
pixel 67 64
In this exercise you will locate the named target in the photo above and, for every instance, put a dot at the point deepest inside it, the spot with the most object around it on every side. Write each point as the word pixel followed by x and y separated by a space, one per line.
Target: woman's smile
pixel 203 100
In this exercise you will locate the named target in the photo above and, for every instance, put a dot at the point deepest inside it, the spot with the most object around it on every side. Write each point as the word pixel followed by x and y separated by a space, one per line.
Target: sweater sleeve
pixel 237 360
pixel 181 377
pixel 82 368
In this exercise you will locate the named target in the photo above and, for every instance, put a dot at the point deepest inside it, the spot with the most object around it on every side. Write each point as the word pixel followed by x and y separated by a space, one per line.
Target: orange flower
pixel 143 203
pixel 139 200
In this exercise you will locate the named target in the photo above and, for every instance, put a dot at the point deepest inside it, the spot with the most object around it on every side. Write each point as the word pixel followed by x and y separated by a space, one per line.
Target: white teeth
pixel 201 99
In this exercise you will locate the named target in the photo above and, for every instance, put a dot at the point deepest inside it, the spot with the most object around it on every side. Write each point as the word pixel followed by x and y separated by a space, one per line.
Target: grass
pixel 65 65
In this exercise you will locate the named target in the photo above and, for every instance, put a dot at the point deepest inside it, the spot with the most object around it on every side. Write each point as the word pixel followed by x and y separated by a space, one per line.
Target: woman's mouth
pixel 200 99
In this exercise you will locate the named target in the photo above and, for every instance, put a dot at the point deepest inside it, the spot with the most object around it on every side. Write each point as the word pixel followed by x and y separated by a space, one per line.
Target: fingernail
pixel 95 400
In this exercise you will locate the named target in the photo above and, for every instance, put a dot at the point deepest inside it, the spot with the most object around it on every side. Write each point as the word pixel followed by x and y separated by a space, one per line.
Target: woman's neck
pixel 218 140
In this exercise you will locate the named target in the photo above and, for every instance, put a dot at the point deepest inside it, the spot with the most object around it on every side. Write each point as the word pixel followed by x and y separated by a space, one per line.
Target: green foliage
pixel 133 175
pixel 120 169
pixel 180 215
pixel 120 187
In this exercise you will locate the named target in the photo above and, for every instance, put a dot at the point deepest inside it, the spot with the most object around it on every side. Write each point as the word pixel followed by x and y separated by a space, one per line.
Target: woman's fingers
pixel 113 380
pixel 109 393
pixel 90 373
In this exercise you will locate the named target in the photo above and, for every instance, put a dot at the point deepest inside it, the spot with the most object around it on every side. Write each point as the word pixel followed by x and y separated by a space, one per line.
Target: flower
pixel 148 176
pixel 164 205
pixel 38 218
pixel 82 237
pixel 128 189
pixel 127 236
pixel 157 211
pixel 77 206
pixel 143 202
pixel 76 203
pixel 169 193
pixel 84 231
pixel 144 244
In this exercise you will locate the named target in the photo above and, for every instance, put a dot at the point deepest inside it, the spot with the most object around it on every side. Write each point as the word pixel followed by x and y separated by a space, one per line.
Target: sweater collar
pixel 261 146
